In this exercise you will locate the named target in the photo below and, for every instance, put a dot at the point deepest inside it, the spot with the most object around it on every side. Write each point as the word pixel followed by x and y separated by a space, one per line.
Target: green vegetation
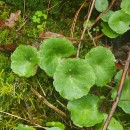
pixel 52 75
pixel 116 22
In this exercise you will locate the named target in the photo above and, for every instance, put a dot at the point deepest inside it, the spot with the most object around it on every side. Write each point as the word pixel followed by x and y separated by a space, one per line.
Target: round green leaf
pixel 124 102
pixel 74 78
pixel 57 126
pixel 24 60
pixel 52 52
pixel 101 5
pixel 25 127
pixel 90 22
pixel 84 111
pixel 102 61
pixel 108 31
pixel 106 17
pixel 125 6
pixel 54 128
pixel 114 124
pixel 119 22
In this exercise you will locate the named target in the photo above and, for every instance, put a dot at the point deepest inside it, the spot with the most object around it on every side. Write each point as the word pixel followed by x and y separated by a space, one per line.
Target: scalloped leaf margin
pixel 73 78
pixel 125 6
pixel 102 61
pixel 24 60
pixel 85 111
pixel 52 52
pixel 108 31
pixel 101 5
pixel 119 22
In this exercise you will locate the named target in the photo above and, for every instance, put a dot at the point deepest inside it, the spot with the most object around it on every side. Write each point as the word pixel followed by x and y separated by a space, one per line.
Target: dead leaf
pixel 48 35
pixel 120 67
pixel 2 23
pixel 13 46
pixel 35 44
pixel 12 19
pixel 8 48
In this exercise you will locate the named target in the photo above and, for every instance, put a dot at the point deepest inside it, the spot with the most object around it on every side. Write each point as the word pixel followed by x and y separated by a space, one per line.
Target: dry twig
pixel 103 13
pixel 36 125
pixel 90 12
pixel 48 103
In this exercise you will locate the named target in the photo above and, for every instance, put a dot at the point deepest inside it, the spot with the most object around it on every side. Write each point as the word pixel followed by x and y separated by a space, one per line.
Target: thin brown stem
pixel 45 128
pixel 103 13
pixel 48 103
pixel 86 26
pixel 89 15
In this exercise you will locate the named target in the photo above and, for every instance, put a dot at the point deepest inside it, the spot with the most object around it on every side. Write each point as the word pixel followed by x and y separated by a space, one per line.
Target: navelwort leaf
pixel 101 5
pixel 125 6
pixel 108 31
pixel 24 60
pixel 106 17
pixel 124 102
pixel 102 61
pixel 84 111
pixel 73 78
pixel 56 126
pixel 90 22
pixel 114 124
pixel 119 22
pixel 52 52
pixel 25 127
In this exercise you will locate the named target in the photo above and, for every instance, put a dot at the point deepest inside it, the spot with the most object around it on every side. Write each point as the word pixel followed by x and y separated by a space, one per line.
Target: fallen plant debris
pixel 10 22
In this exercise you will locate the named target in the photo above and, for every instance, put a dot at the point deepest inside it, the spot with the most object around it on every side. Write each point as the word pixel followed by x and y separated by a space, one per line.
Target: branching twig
pixel 49 8
pixel 90 12
pixel 118 95
pixel 48 103
pixel 103 13
pixel 41 87
pixel 89 33
pixel 98 18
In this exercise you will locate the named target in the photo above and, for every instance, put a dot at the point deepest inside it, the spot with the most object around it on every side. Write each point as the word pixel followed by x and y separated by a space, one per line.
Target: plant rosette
pixel 24 60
